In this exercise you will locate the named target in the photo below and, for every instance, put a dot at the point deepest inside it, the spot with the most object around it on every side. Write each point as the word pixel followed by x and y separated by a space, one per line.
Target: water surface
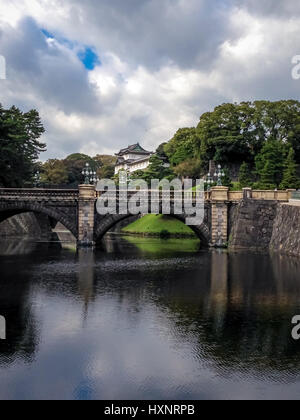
pixel 147 319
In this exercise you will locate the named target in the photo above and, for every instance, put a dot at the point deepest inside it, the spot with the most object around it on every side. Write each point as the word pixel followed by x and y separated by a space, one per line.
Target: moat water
pixel 147 319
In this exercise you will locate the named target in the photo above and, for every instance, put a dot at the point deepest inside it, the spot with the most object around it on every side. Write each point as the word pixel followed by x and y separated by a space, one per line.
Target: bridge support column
pixel 86 215
pixel 219 217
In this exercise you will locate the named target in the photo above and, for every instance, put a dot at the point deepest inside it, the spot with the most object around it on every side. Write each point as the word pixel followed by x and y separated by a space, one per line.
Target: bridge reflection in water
pixel 127 324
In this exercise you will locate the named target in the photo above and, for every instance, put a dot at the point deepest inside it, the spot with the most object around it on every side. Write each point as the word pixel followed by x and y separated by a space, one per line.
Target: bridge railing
pixel 272 195
pixel 38 194
pixel 154 195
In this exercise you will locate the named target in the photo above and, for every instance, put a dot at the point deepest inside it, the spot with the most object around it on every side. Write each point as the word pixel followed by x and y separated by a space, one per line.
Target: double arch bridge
pixel 76 210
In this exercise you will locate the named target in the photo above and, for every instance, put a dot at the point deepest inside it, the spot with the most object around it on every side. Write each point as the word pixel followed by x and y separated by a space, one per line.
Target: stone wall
pixel 251 225
pixel 24 224
pixel 286 230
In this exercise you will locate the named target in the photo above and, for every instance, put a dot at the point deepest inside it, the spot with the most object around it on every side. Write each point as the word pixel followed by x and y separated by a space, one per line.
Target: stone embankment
pixel 265 225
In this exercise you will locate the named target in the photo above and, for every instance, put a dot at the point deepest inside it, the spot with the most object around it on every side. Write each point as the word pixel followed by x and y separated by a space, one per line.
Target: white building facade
pixel 133 158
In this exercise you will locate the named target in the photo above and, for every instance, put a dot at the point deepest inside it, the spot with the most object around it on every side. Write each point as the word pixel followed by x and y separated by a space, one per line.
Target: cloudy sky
pixel 107 73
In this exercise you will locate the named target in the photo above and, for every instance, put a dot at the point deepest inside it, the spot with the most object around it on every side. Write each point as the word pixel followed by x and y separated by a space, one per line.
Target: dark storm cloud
pixel 155 32
pixel 280 8
pixel 51 72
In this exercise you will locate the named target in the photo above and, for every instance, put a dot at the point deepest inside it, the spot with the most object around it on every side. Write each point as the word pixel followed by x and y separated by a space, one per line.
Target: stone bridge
pixel 76 210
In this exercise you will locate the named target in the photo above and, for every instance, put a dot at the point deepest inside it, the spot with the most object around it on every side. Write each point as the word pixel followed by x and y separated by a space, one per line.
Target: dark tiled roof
pixel 134 148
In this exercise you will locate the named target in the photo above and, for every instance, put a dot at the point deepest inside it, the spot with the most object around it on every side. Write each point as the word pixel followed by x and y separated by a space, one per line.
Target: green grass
pixel 154 225
pixel 163 247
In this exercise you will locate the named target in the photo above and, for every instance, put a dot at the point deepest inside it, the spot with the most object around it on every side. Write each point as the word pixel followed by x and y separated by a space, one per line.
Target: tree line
pixel 261 137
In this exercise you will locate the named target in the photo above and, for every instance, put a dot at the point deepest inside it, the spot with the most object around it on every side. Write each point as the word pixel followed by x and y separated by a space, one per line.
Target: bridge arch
pixel 106 223
pixel 8 210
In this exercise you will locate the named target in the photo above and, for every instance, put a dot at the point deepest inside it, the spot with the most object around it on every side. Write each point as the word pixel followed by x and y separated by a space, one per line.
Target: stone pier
pixel 219 217
pixel 86 215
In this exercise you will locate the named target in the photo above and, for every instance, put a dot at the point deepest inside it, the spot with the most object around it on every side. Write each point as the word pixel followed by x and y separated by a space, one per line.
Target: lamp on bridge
pixel 90 175
pixel 209 182
pixel 37 179
pixel 219 175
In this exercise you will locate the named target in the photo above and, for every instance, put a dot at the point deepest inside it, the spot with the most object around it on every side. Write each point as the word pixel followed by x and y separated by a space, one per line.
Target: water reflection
pixel 142 322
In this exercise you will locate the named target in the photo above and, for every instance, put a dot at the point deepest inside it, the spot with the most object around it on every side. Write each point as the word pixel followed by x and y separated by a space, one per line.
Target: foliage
pixel 290 177
pixel 75 164
pixel 155 170
pixel 270 163
pixel 245 176
pixel 183 146
pixel 54 172
pixel 20 146
pixel 237 132
pixel 190 168
pixel 106 166
pixel 226 180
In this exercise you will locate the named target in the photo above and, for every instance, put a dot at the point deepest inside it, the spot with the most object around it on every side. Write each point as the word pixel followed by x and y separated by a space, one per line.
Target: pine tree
pixel 245 176
pixel 290 178
pixel 226 180
pixel 267 177
pixel 269 164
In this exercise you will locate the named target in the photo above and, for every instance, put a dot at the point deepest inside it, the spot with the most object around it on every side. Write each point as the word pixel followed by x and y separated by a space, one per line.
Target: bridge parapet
pixel 76 209
pixel 38 194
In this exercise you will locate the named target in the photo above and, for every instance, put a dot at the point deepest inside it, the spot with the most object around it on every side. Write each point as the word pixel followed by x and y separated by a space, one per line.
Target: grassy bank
pixel 160 225
pixel 164 248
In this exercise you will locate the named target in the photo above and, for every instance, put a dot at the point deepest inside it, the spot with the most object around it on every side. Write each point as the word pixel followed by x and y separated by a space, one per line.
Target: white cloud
pixel 162 65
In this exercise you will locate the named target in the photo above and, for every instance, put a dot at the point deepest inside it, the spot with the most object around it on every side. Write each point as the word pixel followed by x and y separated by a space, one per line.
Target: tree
pixel 222 134
pixel 54 172
pixel 226 180
pixel 183 146
pixel 269 164
pixel 290 177
pixel 75 164
pixel 190 168
pixel 235 133
pixel 20 146
pixel 106 166
pixel 157 169
pixel 267 177
pixel 245 176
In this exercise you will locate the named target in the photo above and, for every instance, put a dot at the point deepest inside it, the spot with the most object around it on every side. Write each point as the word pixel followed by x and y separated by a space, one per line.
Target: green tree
pixel 75 164
pixel 226 180
pixel 270 163
pixel 237 132
pixel 19 145
pixel 222 134
pixel 157 169
pixel 183 146
pixel 245 176
pixel 106 166
pixel 267 177
pixel 290 177
pixel 190 168
pixel 54 172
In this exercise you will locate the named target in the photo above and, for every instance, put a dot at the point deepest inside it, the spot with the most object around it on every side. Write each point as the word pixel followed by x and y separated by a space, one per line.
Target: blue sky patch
pixel 89 58
pixel 86 55
pixel 47 34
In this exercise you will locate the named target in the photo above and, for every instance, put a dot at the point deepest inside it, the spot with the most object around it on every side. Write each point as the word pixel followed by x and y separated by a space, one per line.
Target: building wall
pixel 139 166
pixel 133 167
